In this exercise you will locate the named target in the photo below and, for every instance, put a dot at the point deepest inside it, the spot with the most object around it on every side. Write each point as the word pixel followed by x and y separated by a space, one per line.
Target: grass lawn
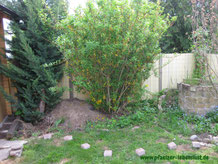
pixel 122 142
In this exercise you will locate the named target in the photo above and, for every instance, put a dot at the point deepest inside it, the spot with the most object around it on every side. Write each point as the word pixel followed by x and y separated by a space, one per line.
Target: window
pixel 8 36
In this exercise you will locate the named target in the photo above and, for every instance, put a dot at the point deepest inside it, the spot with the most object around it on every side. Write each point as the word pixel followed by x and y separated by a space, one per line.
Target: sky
pixel 75 3
pixel 7 36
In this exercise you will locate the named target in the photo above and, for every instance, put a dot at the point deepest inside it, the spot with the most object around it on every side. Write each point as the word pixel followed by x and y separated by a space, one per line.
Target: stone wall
pixel 197 99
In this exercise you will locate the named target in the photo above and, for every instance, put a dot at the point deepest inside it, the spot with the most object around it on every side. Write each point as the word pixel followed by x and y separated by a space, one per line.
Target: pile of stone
pixel 198 142
pixel 10 148
pixel 207 141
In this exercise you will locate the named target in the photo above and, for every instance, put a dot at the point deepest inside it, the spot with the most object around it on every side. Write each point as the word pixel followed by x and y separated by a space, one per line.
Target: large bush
pixel 111 46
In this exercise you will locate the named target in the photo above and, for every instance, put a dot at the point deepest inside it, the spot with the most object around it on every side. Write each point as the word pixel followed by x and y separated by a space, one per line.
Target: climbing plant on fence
pixel 204 35
pixel 111 46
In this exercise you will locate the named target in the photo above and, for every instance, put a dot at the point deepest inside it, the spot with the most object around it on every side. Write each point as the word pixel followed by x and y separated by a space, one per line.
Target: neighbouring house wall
pixel 175 68
pixel 2 103
pixel 5 106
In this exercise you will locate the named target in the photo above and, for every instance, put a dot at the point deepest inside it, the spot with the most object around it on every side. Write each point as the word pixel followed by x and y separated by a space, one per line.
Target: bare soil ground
pixel 75 114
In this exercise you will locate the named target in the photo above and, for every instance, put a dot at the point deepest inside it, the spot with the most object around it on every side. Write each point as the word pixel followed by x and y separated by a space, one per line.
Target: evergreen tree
pixel 35 66
pixel 59 8
pixel 177 37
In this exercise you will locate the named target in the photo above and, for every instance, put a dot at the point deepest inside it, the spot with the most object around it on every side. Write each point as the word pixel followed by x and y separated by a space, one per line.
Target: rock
pixel 16 153
pixel 24 142
pixel 215 139
pixel 4 147
pixel 17 146
pixel 171 145
pixel 196 145
pixel 108 153
pixel 12 148
pixel 140 152
pixel 85 146
pixel 210 137
pixel 193 89
pixel 206 140
pixel 47 136
pixel 68 138
pixel 40 137
pixel 135 127
pixel 203 144
pixel 194 137
pixel 4 154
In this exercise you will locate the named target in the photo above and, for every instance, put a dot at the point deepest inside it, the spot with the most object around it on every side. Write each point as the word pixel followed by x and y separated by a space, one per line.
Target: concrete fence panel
pixel 168 71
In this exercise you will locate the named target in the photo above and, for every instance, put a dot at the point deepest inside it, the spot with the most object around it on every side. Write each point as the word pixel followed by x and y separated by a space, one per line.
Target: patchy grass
pixel 123 142
pixel 156 130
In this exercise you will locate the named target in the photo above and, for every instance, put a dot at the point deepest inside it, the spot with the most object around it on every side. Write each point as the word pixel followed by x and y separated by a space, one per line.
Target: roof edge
pixel 8 11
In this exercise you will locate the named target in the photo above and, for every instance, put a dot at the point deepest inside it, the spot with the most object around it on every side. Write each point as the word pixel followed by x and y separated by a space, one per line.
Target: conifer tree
pixel 35 67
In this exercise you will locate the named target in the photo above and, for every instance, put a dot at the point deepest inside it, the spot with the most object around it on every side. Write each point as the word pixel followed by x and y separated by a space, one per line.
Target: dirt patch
pixel 57 142
pixel 213 154
pixel 105 148
pixel 99 141
pixel 183 148
pixel 162 140
pixel 74 113
pixel 11 161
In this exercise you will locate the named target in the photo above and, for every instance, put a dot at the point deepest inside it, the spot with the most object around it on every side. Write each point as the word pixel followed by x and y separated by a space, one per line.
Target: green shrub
pixel 213 115
pixel 146 115
pixel 111 46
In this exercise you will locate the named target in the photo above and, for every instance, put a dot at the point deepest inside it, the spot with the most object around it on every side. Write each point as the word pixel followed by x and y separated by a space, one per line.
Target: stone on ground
pixel 203 144
pixel 68 138
pixel 16 153
pixel 85 146
pixel 17 146
pixel 107 153
pixel 196 145
pixel 11 148
pixel 48 136
pixel 4 154
pixel 171 145
pixel 4 147
pixel 194 137
pixel 210 137
pixel 140 152
pixel 24 142
pixel 215 139
pixel 135 127
pixel 206 140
